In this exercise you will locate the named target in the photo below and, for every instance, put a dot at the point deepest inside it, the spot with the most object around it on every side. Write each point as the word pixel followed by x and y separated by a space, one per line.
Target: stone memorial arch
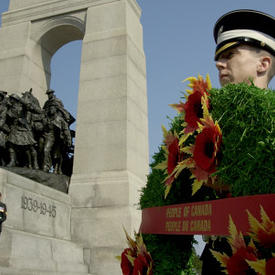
pixel 111 144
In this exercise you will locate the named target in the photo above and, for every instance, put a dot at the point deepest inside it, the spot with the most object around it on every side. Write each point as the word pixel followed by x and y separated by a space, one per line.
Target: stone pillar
pixel 21 65
pixel 31 32
pixel 111 150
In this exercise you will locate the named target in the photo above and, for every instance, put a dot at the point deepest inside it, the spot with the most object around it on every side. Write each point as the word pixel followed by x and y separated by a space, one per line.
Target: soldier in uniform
pixel 20 139
pixel 245 49
pixel 52 99
pixel 57 138
pixel 35 117
pixel 245 52
pixel 3 212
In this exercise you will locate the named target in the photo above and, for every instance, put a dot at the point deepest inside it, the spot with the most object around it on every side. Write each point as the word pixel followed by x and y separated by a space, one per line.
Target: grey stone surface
pixel 102 206
pixel 36 239
pixel 35 208
pixel 113 85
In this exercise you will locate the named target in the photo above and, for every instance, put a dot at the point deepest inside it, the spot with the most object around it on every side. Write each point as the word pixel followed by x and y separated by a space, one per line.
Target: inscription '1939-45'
pixel 34 205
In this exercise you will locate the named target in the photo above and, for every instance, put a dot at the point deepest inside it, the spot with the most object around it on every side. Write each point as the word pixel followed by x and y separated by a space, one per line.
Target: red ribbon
pixel 206 218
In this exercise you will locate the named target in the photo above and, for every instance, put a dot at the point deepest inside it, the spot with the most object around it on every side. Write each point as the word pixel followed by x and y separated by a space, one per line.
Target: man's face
pixel 237 65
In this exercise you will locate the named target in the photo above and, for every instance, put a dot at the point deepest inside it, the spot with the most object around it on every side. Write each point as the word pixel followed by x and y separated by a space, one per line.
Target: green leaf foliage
pixel 170 253
pixel 246 115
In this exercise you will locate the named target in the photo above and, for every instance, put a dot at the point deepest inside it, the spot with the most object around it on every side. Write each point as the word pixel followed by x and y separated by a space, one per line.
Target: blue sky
pixel 178 43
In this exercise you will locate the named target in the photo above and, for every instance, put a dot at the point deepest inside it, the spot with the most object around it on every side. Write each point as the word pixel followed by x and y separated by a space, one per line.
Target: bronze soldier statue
pixel 33 137
pixel 52 99
pixel 57 138
pixel 4 129
pixel 20 139
pixel 35 117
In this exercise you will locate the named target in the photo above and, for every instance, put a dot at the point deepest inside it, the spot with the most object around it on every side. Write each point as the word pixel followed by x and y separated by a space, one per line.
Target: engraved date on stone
pixel 37 206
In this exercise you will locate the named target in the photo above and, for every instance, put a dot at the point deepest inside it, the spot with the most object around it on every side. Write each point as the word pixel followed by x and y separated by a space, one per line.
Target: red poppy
pixel 266 238
pixel 193 107
pixel 142 265
pixel 270 267
pixel 174 155
pixel 237 265
pixel 173 158
pixel 243 258
pixel 126 265
pixel 193 111
pixel 207 146
pixel 135 260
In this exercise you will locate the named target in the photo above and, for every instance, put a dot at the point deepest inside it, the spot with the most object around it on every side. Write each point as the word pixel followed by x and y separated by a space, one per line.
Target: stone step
pixel 35 254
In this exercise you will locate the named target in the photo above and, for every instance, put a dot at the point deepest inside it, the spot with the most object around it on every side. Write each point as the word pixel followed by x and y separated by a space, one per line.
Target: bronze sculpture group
pixel 35 137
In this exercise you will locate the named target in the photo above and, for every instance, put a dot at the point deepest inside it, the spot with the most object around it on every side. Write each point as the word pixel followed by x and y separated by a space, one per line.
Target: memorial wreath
pixel 220 145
